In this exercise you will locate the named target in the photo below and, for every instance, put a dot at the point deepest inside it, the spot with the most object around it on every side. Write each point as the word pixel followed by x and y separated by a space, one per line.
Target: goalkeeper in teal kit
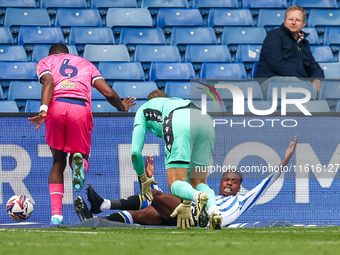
pixel 189 139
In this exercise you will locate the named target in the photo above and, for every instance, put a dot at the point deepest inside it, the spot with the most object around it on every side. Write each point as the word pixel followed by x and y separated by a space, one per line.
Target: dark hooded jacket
pixel 282 55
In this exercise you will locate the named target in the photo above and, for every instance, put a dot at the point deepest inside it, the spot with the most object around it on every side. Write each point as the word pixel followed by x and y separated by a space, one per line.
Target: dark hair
pixel 58 48
pixel 156 93
pixel 235 171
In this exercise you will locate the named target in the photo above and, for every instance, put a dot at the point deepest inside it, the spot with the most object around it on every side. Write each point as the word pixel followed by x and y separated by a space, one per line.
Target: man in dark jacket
pixel 286 52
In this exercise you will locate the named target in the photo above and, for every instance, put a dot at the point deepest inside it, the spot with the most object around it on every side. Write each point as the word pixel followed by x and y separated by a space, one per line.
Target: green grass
pixel 117 241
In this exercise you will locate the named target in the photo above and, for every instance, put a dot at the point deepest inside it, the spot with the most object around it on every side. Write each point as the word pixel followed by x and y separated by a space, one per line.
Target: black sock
pixel 115 217
pixel 130 203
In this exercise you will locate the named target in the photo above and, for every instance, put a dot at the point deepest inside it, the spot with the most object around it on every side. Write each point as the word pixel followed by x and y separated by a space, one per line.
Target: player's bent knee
pixel 156 193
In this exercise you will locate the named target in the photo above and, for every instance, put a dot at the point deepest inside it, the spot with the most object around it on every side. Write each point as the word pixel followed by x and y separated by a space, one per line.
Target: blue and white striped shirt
pixel 232 207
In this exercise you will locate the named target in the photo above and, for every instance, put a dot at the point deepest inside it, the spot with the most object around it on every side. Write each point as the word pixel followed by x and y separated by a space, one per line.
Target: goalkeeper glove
pixel 184 215
pixel 145 183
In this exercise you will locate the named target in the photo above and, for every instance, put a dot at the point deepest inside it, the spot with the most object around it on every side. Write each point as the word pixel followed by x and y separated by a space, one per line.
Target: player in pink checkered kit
pixel 66 109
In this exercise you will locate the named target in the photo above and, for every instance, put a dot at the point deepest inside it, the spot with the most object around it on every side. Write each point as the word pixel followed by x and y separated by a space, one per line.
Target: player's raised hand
pixel 128 102
pixel 184 215
pixel 289 153
pixel 145 183
pixel 291 148
pixel 149 166
pixel 39 119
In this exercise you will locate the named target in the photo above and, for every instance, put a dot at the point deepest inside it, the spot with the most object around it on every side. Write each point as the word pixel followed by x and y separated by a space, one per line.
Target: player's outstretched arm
pixel 289 153
pixel 46 95
pixel 138 136
pixel 112 97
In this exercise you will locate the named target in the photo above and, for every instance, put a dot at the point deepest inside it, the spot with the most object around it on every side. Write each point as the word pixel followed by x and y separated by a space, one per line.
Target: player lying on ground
pixel 138 211
pixel 189 139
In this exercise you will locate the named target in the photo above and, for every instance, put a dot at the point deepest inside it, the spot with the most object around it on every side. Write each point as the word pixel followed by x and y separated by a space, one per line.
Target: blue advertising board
pixel 306 193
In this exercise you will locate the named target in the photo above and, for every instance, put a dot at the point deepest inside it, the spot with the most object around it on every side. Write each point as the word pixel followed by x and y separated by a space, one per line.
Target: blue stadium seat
pixel 133 36
pixel 102 106
pixel 215 4
pixel 308 4
pixel 63 4
pixel 18 3
pixel 232 71
pixel 293 84
pixel 337 108
pixel 66 18
pixel 1 94
pixel 32 106
pixel 330 91
pixel 320 18
pixel 80 36
pixel 30 36
pixel 97 4
pixel 331 70
pixel 164 4
pixel 8 106
pixel 18 70
pixel 104 5
pixel 40 51
pixel 311 106
pixel 155 5
pixel 248 54
pixel 167 18
pixel 197 54
pixel 212 106
pixel 188 90
pixel 98 53
pixel 219 18
pixel 4 4
pixel 161 72
pixel 227 97
pixel 156 53
pixel 53 5
pixel 254 70
pixel 21 91
pixel 116 18
pixel 121 71
pixel 322 53
pixel 12 53
pixel 139 90
pixel 16 17
pixel 332 38
pixel 313 37
pixel 96 95
pixel 5 36
pixel 135 107
pixel 178 89
pixel 270 18
pixel 256 6
pixel 204 5
pixel 232 36
pixel 182 36
pixel 260 4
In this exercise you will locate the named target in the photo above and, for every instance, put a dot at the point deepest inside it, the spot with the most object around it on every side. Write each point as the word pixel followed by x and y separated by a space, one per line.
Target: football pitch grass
pixel 114 241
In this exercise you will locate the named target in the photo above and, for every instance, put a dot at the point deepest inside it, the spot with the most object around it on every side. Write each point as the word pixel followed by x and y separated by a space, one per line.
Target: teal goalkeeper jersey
pixel 151 116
